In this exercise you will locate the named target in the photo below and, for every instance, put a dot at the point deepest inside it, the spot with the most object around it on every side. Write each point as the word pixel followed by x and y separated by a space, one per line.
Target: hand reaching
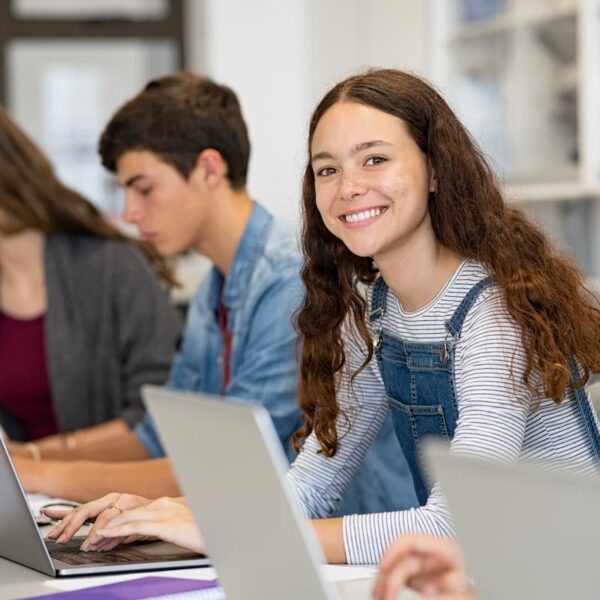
pixel 432 566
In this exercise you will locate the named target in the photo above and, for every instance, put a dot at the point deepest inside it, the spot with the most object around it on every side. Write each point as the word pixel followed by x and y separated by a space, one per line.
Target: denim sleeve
pixel 267 373
pixel 146 433
pixel 266 369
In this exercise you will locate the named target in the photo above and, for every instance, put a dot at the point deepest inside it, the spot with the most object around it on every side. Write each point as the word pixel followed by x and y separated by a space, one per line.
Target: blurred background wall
pixel 524 75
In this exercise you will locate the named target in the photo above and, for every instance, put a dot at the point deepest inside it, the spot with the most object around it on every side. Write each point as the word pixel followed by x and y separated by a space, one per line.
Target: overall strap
pixel 378 300
pixel 591 427
pixel 454 325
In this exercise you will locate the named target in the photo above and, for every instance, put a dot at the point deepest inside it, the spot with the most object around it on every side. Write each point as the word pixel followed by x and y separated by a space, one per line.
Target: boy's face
pixel 165 207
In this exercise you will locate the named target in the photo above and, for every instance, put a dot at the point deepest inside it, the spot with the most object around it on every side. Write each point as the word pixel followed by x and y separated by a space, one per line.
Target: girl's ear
pixel 432 181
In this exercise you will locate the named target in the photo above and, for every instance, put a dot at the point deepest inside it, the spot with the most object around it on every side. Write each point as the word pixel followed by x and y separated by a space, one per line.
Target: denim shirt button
pixel 219 360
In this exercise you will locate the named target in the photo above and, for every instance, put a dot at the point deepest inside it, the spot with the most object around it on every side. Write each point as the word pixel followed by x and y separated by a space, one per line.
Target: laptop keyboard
pixel 71 554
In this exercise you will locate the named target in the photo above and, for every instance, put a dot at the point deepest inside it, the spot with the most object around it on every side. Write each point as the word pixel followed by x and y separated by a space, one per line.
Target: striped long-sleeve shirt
pixel 497 416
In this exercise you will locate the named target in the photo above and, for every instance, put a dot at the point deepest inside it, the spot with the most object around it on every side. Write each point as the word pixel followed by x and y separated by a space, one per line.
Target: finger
pixel 79 517
pixel 57 530
pixel 389 583
pixel 96 538
pixel 137 528
pixel 56 513
pixel 105 517
pixel 138 514
pixel 438 554
pixel 71 524
pixel 106 544
pixel 108 520
pixel 118 504
pixel 401 549
pixel 111 544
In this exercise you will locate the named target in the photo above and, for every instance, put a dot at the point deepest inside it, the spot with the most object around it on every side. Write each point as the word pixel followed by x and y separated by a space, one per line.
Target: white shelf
pixel 508 23
pixel 544 17
pixel 526 83
pixel 550 11
pixel 550 192
pixel 489 27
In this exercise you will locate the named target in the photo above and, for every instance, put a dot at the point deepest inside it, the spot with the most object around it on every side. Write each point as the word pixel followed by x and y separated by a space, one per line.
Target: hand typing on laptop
pixel 124 518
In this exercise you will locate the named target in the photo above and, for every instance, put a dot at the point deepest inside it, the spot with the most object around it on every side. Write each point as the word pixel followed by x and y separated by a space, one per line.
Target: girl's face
pixel 371 180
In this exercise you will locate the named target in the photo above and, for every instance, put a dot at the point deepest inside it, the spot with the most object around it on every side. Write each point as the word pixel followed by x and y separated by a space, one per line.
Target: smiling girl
pixel 429 297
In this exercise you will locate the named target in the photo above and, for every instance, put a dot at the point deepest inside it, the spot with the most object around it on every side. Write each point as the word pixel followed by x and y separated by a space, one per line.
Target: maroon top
pixel 227 343
pixel 24 385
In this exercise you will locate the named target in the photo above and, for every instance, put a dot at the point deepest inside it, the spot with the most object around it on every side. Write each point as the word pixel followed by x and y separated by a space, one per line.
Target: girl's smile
pixel 362 217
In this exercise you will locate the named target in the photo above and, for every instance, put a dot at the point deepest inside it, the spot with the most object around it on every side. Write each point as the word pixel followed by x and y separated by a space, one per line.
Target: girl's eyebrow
pixel 360 147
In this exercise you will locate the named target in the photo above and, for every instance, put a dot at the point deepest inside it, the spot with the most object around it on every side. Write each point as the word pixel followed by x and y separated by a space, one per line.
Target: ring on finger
pixel 113 505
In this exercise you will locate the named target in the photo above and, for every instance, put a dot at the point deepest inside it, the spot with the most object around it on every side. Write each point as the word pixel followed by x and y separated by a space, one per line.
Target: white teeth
pixel 363 216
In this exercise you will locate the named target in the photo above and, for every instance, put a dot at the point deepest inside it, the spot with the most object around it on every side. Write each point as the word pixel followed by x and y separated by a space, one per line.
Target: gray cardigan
pixel 109 329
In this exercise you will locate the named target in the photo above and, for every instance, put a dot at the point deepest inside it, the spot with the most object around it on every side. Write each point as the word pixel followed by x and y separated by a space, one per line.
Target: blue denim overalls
pixel 419 383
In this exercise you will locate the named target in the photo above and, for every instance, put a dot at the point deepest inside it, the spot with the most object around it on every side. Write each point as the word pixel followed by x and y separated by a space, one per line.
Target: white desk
pixel 18 582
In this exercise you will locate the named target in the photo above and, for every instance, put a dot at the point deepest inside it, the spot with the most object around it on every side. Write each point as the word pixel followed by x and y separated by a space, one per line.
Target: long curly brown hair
pixel 32 197
pixel 543 289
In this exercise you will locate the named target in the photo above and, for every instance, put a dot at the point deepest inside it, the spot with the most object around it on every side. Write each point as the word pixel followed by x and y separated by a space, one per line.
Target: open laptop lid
pixel 22 542
pixel 20 537
pixel 230 464
pixel 526 532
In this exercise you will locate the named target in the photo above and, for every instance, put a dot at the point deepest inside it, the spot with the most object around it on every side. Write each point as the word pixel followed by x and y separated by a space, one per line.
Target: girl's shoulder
pixel 489 321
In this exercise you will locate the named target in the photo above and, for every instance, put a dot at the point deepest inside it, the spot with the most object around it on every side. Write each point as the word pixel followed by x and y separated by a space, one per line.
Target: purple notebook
pixel 137 589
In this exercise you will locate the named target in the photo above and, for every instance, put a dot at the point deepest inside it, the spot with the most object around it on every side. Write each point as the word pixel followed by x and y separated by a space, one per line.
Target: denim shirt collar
pixel 251 245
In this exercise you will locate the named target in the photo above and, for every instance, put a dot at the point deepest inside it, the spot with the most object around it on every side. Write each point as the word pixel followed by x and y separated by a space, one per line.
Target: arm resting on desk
pixel 83 481
pixel 110 441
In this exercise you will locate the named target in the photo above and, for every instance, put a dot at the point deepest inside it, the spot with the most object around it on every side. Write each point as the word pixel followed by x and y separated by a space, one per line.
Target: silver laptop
pixel 22 542
pixel 230 464
pixel 526 533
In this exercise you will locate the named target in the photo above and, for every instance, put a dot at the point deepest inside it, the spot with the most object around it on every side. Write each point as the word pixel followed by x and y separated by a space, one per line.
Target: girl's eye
pixel 145 191
pixel 325 171
pixel 374 160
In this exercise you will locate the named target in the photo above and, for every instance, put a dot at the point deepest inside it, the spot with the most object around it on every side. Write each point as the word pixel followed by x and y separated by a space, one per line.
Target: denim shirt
pixel 261 292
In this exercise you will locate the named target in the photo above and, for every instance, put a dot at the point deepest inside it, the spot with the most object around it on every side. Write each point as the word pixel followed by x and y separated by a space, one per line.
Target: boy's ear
pixel 211 167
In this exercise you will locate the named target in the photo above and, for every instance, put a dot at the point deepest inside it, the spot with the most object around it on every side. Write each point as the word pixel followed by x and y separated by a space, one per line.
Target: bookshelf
pixel 524 76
